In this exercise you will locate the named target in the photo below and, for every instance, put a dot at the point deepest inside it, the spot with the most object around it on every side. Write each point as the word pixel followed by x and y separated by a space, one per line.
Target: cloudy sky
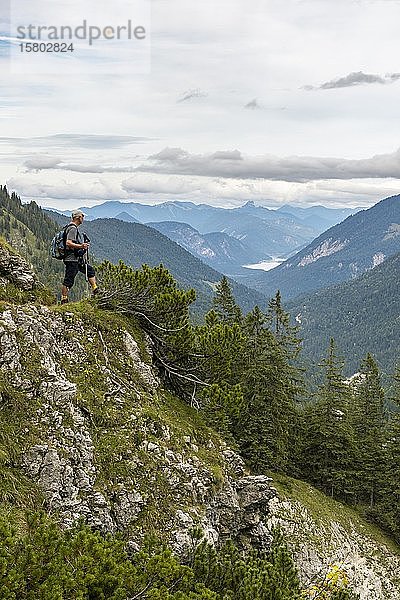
pixel 224 102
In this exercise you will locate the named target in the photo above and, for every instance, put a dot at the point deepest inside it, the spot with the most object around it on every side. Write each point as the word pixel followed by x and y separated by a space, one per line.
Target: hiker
pixel 75 258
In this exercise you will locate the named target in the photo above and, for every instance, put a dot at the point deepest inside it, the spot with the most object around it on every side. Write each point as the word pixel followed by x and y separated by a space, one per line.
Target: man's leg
pixel 64 294
pixel 71 269
pixel 93 284
pixel 89 271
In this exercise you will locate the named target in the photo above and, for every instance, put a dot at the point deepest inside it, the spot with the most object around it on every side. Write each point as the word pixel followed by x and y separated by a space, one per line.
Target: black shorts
pixel 71 269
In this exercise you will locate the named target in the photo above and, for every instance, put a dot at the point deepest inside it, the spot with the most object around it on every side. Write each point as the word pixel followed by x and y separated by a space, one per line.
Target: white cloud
pixel 49 188
pixel 39 163
pixel 71 140
pixel 83 134
pixel 143 183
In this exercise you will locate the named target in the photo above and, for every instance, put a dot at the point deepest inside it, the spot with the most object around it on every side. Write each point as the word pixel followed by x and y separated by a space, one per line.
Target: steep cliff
pixel 88 431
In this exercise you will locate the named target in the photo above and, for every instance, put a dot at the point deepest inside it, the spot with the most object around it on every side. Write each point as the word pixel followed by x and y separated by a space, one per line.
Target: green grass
pixel 324 510
pixel 17 434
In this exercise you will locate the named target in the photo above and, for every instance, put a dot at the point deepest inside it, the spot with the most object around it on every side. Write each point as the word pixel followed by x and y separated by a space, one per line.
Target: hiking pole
pixel 86 258
pixel 87 279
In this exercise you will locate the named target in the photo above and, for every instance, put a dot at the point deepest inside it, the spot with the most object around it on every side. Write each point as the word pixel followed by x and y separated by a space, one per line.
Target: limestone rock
pixel 15 269
pixel 67 461
pixel 103 445
pixel 372 569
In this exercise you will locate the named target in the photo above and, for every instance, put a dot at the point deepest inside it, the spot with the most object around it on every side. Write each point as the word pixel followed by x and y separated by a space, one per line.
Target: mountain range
pixel 319 217
pixel 360 314
pixel 219 250
pixel 343 252
pixel 262 232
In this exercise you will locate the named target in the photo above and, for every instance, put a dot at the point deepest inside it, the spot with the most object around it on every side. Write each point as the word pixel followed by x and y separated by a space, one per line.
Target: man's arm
pixel 74 246
pixel 71 242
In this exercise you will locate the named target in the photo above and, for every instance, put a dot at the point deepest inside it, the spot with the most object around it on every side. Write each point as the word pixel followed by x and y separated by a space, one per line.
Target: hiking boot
pixel 64 301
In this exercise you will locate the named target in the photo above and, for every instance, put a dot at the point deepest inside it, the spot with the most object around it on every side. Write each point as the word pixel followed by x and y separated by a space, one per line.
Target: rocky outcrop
pixel 104 448
pixel 325 536
pixel 16 270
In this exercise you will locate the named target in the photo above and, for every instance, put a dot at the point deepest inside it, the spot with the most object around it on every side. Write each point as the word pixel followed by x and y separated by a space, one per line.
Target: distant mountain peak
pixel 125 216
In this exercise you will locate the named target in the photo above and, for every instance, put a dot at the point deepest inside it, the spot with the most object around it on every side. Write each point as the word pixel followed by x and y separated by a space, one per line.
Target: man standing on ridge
pixel 76 248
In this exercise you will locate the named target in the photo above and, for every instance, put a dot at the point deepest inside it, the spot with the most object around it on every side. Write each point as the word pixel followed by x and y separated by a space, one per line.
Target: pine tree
pixel 255 575
pixel 328 440
pixel 224 303
pixel 269 392
pixel 285 333
pixel 369 426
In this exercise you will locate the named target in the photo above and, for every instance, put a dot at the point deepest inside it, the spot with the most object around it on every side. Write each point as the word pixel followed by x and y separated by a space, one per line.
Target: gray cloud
pixel 253 105
pixel 393 76
pixel 353 79
pixel 30 187
pixel 169 154
pixel 294 168
pixel 232 164
pixel 227 155
pixel 190 94
pixel 40 163
pixel 146 183
pixel 48 163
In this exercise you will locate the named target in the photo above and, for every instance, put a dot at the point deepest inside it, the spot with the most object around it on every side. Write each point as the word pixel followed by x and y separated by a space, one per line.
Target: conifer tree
pixel 387 509
pixel 328 440
pixel 369 425
pixel 46 562
pixel 224 303
pixel 285 333
pixel 269 392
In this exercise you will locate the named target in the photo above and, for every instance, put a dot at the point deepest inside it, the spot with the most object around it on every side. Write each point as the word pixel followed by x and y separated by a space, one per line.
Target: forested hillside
pixel 341 438
pixel 364 313
pixel 27 229
pixel 96 428
pixel 30 230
